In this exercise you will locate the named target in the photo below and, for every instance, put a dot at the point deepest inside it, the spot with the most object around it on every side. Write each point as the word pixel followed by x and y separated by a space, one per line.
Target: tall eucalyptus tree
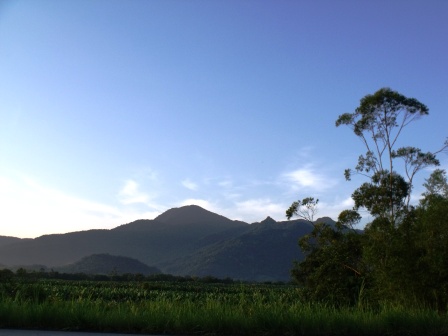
pixel 379 121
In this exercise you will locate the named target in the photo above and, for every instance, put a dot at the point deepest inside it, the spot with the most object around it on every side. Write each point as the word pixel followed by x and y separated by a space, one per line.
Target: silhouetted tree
pixel 402 253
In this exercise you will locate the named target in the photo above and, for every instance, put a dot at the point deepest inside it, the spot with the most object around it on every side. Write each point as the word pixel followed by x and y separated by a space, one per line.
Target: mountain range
pixel 182 241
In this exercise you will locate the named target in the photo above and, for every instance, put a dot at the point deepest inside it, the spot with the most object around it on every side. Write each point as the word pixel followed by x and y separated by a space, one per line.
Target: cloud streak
pixel 31 209
pixel 130 194
pixel 308 178
pixel 187 183
pixel 256 210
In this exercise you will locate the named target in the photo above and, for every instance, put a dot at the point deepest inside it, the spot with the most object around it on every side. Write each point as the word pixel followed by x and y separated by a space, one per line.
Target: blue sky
pixel 117 110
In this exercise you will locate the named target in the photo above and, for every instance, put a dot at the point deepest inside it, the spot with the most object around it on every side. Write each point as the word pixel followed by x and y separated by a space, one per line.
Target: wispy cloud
pixel 310 178
pixel 31 209
pixel 304 177
pixel 306 152
pixel 131 194
pixel 187 183
pixel 333 209
pixel 226 183
pixel 256 210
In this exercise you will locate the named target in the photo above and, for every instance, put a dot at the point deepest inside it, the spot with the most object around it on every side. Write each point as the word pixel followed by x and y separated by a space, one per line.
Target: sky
pixel 116 110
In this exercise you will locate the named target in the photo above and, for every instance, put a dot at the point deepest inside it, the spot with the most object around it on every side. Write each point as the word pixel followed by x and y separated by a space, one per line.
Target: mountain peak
pixel 326 220
pixel 186 214
pixel 269 220
pixel 194 214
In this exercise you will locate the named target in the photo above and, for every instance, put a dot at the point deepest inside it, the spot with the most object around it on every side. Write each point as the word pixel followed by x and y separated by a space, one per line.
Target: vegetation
pixel 195 306
pixel 402 255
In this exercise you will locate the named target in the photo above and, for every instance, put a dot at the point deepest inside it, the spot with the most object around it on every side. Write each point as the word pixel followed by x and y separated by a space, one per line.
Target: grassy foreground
pixel 192 308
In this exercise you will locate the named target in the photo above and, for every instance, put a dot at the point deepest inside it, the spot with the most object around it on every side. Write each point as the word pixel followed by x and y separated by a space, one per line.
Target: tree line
pixel 22 274
pixel 401 256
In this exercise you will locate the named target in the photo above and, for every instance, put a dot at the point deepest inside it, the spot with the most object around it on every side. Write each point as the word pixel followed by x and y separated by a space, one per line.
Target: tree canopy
pixel 402 254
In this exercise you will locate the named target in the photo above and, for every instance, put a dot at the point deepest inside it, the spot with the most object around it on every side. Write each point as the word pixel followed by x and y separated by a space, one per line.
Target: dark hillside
pixel 151 241
pixel 54 250
pixel 4 240
pixel 108 264
pixel 182 241
pixel 263 253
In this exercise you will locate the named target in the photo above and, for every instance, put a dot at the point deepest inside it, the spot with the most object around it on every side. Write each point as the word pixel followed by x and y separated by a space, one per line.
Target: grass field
pixel 198 308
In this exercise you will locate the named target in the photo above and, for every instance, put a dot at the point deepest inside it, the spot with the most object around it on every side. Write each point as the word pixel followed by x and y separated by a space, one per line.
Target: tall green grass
pixel 211 310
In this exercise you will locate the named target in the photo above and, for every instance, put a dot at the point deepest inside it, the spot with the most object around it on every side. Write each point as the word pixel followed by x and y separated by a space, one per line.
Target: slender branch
pixel 352 269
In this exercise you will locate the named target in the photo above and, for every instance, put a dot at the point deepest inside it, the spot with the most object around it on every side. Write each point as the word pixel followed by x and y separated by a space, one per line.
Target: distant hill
pixel 5 240
pixel 150 241
pixel 182 241
pixel 264 252
pixel 108 264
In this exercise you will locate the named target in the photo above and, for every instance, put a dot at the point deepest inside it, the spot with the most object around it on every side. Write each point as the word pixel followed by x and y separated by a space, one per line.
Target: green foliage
pixel 332 271
pixel 402 255
pixel 6 274
pixel 305 209
pixel 378 122
pixel 192 308
pixel 431 243
pixel 409 264
pixel 384 105
pixel 436 185
pixel 385 194
pixel 349 219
